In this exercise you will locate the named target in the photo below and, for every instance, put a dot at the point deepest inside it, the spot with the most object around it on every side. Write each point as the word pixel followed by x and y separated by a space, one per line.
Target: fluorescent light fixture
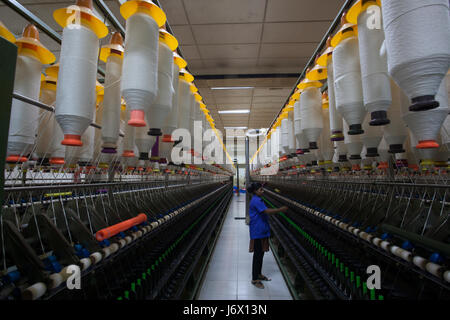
pixel 231 88
pixel 235 111
pixel 235 128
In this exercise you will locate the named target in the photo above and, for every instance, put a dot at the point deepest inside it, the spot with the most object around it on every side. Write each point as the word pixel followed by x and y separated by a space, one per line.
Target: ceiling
pixel 275 38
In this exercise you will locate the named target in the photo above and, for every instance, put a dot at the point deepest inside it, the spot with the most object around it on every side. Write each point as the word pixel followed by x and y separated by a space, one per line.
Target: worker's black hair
pixel 254 186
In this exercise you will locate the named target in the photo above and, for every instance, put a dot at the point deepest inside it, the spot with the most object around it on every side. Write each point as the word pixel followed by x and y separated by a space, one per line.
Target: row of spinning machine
pixel 90 185
pixel 363 165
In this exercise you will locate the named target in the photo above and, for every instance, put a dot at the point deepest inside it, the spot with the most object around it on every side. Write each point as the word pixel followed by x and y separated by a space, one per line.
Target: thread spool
pixel 395 132
pixel 96 257
pixel 75 94
pixel 86 152
pixel 163 102
pixel 143 142
pixel 353 144
pixel 374 76
pixel 140 66
pixel 24 118
pixel 184 105
pixel 371 138
pixel 347 83
pixel 291 136
pixel 420 262
pixel 401 253
pixel 35 291
pixel 113 56
pixel 435 269
pixel 384 155
pixel 426 125
pixel 129 142
pixel 325 143
pixel 335 117
pixel 418 47
pixel 377 241
pixel 385 245
pixel 446 276
pixel 311 115
pixel 85 263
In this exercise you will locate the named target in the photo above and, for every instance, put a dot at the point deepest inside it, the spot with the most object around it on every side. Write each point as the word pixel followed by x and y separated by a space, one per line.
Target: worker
pixel 259 231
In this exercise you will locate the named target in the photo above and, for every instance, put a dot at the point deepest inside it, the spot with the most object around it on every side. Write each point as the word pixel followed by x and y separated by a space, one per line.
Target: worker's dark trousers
pixel 258 255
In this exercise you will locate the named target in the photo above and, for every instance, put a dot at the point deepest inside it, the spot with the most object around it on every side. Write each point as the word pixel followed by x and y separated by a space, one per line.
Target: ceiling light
pixel 235 128
pixel 235 111
pixel 230 88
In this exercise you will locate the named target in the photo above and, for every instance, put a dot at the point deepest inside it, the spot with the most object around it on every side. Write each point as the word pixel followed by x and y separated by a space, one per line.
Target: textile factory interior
pixel 224 150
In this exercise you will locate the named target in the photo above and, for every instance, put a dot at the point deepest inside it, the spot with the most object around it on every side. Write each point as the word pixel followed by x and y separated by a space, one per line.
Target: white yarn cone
pixel 140 66
pixel 311 115
pixel 340 151
pixel 325 144
pixel 445 132
pixel 143 142
pixel 75 93
pixel 111 103
pixel 383 151
pixel 184 106
pixel 347 83
pixel 128 141
pixel 45 128
pixel 163 103
pixel 171 121
pixel 285 135
pixel 297 123
pixel 395 132
pixel 353 143
pixel 371 138
pixel 418 46
pixel 58 150
pixel 374 73
pixel 425 125
pixel 335 116
pixel 291 136
pixel 86 153
pixel 24 118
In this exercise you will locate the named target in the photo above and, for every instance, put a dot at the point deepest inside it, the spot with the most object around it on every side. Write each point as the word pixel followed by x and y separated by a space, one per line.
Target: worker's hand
pixel 284 209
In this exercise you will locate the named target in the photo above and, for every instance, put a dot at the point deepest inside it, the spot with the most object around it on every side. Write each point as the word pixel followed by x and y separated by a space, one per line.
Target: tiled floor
pixel 229 272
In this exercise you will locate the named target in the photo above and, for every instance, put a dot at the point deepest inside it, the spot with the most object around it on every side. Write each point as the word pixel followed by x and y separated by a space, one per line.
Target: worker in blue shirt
pixel 259 231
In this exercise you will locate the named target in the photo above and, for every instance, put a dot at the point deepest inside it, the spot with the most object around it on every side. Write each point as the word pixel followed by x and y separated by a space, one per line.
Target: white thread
pixel 285 135
pixel 372 134
pixel 111 102
pixel 383 151
pixel 184 104
pixel 171 121
pixel 24 118
pixel 291 136
pixel 86 153
pixel 140 62
pixel 352 142
pixel 395 132
pixel 130 134
pixel 325 144
pixel 425 125
pixel 143 141
pixel 417 43
pixel 45 127
pixel 335 117
pixel 310 113
pixel 347 81
pixel 75 93
pixel 163 103
pixel 375 79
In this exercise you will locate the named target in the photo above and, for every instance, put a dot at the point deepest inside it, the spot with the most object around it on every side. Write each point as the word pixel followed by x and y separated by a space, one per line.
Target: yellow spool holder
pixel 30 43
pixel 317 73
pixel 347 30
pixel 186 76
pixel 143 6
pixel 354 12
pixel 168 39
pixel 179 61
pixel 306 83
pixel 85 16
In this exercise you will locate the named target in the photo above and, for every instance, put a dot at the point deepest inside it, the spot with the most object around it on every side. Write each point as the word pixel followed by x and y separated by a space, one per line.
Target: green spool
pixel 358 281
